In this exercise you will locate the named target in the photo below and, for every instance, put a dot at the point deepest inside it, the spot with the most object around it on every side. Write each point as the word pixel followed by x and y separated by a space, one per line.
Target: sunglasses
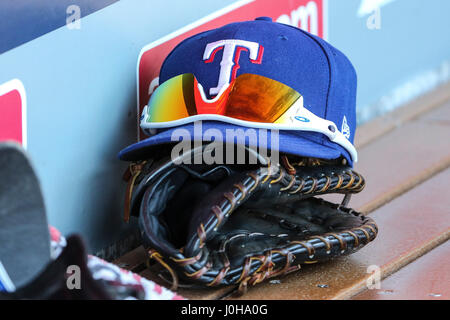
pixel 250 100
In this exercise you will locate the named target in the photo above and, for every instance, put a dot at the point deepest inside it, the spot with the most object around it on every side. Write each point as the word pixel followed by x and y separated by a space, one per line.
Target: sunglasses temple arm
pixel 330 129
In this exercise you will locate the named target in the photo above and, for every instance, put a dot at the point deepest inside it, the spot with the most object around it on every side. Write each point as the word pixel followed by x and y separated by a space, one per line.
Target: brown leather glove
pixel 212 225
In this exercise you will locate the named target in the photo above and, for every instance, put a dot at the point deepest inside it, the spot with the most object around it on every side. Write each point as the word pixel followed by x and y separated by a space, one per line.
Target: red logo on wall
pixel 310 15
pixel 13 112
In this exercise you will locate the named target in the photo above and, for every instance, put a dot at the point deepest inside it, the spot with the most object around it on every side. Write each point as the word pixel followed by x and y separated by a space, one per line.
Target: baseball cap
pixel 322 74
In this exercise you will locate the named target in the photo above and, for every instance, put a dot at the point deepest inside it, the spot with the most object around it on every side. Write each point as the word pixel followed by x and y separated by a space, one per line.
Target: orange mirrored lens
pixel 250 97
pixel 259 99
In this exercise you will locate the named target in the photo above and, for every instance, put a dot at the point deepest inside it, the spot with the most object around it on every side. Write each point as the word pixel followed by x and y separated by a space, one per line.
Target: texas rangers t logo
pixel 230 60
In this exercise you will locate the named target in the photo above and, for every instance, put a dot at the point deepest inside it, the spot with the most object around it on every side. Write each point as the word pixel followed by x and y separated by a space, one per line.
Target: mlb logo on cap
pixel 315 81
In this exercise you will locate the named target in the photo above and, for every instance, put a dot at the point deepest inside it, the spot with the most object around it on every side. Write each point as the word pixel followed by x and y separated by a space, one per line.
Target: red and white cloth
pixel 117 279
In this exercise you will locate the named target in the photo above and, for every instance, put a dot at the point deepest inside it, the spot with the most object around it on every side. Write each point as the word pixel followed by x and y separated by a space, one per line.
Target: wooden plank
pixel 206 293
pixel 132 260
pixel 439 116
pixel 427 278
pixel 372 130
pixel 402 159
pixel 410 226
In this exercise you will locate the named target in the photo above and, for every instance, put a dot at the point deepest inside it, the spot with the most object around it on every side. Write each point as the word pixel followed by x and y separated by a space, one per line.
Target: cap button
pixel 264 19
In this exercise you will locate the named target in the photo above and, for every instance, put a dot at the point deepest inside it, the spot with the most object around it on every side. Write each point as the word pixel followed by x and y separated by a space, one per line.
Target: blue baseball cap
pixel 319 72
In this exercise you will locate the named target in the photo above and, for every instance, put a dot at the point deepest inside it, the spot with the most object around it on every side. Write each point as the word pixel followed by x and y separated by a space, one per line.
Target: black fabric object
pixel 54 283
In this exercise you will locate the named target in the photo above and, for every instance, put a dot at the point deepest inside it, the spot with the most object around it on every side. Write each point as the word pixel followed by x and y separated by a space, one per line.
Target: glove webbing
pixel 265 270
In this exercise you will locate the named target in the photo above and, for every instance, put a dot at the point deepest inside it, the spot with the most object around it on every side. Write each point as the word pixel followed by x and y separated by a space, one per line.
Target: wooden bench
pixel 405 158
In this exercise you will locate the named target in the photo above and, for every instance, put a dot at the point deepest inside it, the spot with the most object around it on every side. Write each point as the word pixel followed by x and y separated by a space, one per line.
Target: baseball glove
pixel 212 225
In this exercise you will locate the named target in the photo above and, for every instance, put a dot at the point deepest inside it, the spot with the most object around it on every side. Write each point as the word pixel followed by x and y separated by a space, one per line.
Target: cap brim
pixel 305 144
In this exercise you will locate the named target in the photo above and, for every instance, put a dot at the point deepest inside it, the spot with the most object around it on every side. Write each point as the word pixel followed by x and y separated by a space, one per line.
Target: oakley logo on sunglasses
pixel 229 65
pixel 302 119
